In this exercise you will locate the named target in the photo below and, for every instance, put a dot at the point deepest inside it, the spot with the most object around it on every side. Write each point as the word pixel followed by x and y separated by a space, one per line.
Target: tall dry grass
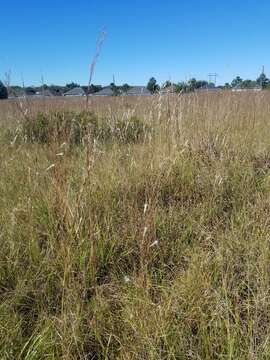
pixel 149 247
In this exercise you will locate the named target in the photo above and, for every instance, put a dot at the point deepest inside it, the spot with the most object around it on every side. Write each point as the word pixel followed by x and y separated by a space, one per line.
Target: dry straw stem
pixel 100 41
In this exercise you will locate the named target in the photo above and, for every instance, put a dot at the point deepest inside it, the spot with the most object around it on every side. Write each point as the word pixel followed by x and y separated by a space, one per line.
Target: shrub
pixel 74 127
pixel 130 131
pixel 59 127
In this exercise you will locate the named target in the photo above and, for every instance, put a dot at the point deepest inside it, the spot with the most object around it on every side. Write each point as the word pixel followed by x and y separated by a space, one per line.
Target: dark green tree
pixel 30 90
pixel 92 88
pixel 95 88
pixel 115 89
pixel 227 85
pixel 237 82
pixel 152 85
pixel 125 87
pixel 201 83
pixel 263 81
pixel 3 91
pixel 71 85
pixel 181 87
pixel 56 90
pixel 192 84
pixel 248 84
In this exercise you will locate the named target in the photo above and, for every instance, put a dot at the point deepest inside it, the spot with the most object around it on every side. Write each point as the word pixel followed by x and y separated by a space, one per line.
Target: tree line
pixel 152 85
pixel 194 84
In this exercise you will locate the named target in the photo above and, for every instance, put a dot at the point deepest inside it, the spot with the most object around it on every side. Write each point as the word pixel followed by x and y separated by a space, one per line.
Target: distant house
pixel 208 88
pixel 106 91
pixel 77 91
pixel 138 91
pixel 168 90
pixel 47 92
pixel 238 88
pixel 44 93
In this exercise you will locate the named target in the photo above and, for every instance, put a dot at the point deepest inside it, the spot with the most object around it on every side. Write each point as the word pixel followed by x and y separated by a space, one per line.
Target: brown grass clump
pixel 136 229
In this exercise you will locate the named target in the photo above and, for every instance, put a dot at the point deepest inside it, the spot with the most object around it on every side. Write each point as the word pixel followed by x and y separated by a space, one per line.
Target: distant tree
pixel 16 90
pixel 201 83
pixel 115 89
pixel 181 87
pixel 95 88
pixel 92 88
pixel 248 84
pixel 263 80
pixel 30 90
pixel 152 85
pixel 16 87
pixel 237 82
pixel 71 85
pixel 3 91
pixel 55 90
pixel 167 84
pixel 125 87
pixel 191 84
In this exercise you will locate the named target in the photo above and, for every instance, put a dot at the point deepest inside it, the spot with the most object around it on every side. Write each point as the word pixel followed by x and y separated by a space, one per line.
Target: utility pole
pixel 213 78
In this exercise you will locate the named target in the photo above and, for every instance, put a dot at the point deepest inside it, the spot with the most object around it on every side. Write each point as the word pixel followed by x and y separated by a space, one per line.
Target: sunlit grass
pixel 148 247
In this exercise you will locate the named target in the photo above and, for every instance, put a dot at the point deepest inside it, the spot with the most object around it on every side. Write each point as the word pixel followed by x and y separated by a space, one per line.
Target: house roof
pixel 45 92
pixel 168 90
pixel 138 90
pixel 106 91
pixel 77 91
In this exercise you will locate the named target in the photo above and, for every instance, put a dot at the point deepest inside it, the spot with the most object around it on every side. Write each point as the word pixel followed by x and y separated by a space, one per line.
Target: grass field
pixel 135 229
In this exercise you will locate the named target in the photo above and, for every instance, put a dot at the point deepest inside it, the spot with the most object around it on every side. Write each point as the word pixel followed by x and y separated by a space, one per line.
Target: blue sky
pixel 172 39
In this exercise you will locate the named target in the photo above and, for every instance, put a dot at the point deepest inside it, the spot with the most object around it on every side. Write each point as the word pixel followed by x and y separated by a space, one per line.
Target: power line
pixel 213 78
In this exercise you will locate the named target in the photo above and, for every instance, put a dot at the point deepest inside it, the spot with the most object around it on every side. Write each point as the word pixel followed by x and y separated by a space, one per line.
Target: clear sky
pixel 167 39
